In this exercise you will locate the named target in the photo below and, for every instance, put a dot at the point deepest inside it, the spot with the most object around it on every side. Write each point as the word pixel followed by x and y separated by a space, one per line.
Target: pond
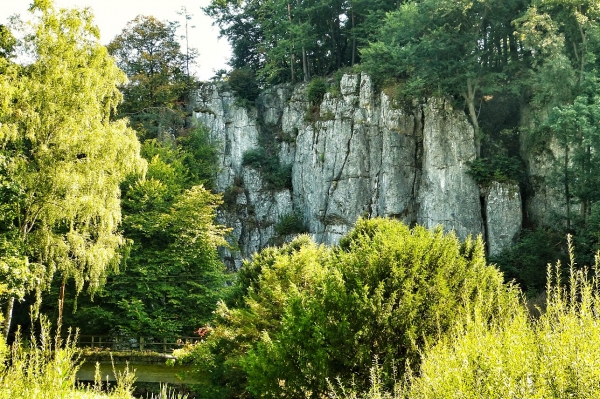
pixel 159 373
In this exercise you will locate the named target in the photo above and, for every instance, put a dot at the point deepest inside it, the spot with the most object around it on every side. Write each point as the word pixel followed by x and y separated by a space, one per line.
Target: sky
pixel 112 16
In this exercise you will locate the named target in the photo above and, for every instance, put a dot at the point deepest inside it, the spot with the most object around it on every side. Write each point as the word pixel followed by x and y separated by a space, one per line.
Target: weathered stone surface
pixel 504 216
pixel 448 196
pixel 355 155
pixel 231 128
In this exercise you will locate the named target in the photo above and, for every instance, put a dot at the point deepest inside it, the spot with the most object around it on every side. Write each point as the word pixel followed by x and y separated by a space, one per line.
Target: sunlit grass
pixel 44 367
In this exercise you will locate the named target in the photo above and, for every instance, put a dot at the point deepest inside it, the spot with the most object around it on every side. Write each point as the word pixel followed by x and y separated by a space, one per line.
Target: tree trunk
pixel 305 65
pixel 353 40
pixel 470 99
pixel 61 305
pixel 567 191
pixel 8 316
pixel 292 60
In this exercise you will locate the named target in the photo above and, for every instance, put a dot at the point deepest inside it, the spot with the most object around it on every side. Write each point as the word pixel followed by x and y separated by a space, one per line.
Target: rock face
pixel 352 155
pixel 503 216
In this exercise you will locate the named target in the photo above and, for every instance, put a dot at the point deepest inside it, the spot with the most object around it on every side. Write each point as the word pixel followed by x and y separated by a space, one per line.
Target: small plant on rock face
pixel 316 91
pixel 277 176
pixel 291 223
pixel 498 168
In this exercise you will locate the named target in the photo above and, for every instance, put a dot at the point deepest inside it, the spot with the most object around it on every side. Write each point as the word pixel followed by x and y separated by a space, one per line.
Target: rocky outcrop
pixel 354 154
pixel 503 216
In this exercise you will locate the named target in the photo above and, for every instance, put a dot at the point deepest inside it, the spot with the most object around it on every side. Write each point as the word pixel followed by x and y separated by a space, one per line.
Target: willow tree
pixel 62 158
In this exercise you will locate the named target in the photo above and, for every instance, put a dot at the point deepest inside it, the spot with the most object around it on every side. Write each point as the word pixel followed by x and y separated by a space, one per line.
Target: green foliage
pixel 303 313
pixel 498 168
pixel 45 368
pixel 283 41
pixel 292 223
pixel 277 176
pixel 62 159
pixel 458 49
pixel 147 50
pixel 173 277
pixel 525 263
pixel 554 356
pixel 244 84
pixel 7 42
pixel 316 91
pixel 200 156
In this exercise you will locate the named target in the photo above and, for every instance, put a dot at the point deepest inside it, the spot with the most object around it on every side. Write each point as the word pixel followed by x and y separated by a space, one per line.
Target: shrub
pixel 292 223
pixel 255 158
pixel 245 86
pixel 498 168
pixel 525 263
pixel 555 356
pixel 305 313
pixel 316 91
pixel 277 176
pixel 199 156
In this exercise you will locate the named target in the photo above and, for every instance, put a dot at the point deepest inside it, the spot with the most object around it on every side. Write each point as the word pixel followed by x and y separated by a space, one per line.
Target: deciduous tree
pixel 148 51
pixel 62 158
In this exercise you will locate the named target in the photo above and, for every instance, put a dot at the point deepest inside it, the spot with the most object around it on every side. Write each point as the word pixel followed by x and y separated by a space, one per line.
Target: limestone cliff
pixel 352 155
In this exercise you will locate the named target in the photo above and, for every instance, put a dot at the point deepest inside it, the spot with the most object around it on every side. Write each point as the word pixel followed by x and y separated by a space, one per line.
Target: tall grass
pixel 45 368
pixel 556 355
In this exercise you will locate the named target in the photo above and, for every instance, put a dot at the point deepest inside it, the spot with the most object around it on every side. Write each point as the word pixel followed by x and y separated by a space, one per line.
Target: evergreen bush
pixel 245 86
pixel 499 168
pixel 316 91
pixel 292 223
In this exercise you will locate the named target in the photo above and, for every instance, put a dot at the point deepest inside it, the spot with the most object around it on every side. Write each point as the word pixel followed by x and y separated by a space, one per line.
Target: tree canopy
pixel 283 41
pixel 148 51
pixel 62 158
pixel 172 277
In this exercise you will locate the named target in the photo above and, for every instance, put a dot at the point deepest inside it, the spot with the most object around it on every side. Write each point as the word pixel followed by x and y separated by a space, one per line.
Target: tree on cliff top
pixel 148 51
pixel 61 157
pixel 465 49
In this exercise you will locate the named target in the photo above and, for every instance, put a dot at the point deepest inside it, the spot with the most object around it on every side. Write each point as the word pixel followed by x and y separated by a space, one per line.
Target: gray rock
pixel 504 216
pixel 448 196
pixel 356 155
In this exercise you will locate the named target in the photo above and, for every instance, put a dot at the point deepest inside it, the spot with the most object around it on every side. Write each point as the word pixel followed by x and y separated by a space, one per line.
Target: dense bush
pixel 199 155
pixel 290 224
pixel 305 313
pixel 555 356
pixel 316 91
pixel 498 168
pixel 525 262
